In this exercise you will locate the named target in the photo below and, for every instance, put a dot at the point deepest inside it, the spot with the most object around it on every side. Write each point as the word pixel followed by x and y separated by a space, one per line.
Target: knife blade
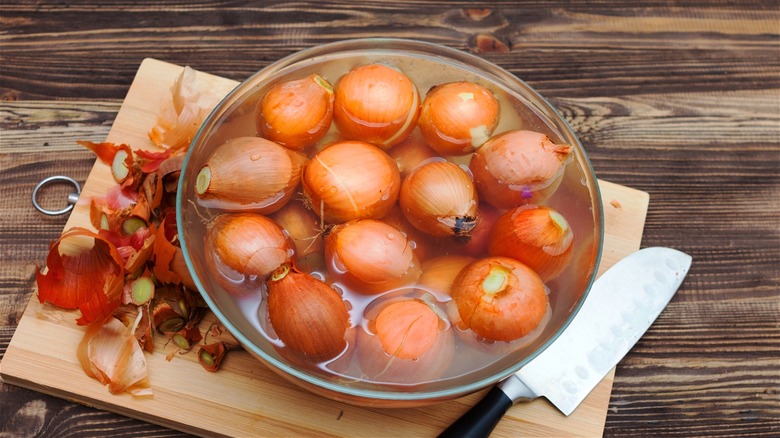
pixel 620 307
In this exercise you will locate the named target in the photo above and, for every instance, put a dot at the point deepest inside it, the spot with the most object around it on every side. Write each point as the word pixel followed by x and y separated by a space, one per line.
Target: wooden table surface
pixel 678 99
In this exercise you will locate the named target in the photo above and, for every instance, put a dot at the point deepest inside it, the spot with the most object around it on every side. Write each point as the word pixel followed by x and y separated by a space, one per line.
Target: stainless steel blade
pixel 621 306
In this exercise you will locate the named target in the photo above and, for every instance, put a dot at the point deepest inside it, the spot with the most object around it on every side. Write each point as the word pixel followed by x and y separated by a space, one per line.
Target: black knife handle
pixel 481 419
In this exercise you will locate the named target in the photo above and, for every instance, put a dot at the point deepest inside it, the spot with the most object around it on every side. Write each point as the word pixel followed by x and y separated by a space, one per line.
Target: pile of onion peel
pixel 130 267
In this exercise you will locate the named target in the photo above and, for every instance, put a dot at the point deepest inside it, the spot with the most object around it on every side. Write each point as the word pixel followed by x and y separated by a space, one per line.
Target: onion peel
pixel 70 279
pixel 110 353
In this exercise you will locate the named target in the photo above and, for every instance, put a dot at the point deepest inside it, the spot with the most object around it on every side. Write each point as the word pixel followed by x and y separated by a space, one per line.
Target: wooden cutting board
pixel 245 398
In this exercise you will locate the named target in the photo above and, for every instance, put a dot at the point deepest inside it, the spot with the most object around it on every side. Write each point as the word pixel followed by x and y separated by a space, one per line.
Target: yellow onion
pixel 296 113
pixel 518 167
pixel 538 236
pixel 440 272
pixel 439 198
pixel 410 153
pixel 309 316
pixel 249 173
pixel 499 298
pixel 377 104
pixel 301 225
pixel 458 117
pixel 409 343
pixel 351 180
pixel 245 247
pixel 370 256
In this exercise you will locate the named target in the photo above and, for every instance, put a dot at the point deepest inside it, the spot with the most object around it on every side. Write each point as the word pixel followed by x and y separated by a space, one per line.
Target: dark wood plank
pixel 679 99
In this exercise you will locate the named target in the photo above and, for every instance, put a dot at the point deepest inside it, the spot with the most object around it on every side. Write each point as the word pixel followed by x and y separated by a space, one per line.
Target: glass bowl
pixel 427 64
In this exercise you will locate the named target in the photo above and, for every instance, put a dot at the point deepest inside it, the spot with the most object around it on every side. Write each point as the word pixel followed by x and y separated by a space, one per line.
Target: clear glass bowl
pixel 427 64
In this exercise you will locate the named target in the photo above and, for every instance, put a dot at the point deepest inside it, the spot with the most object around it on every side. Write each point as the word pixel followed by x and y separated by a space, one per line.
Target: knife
pixel 620 307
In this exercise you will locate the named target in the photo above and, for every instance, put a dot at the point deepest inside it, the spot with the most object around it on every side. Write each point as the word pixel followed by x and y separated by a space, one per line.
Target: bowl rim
pixel 469 60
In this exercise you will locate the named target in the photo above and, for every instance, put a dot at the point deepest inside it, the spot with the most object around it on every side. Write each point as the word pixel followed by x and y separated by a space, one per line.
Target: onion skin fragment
pixel 91 280
pixel 499 298
pixel 110 353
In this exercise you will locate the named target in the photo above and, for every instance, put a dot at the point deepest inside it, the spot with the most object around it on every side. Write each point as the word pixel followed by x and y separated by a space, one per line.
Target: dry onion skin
pixel 499 298
pixel 538 236
pixel 518 167
pixel 351 180
pixel 296 113
pixel 377 104
pixel 458 117
pixel 439 198
pixel 249 173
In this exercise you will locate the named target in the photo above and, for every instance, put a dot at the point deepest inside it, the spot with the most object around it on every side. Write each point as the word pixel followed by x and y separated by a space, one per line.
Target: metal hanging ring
pixel 72 198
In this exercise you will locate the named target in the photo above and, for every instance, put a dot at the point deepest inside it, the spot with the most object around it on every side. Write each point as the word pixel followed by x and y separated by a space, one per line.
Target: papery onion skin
pixel 476 243
pixel 518 167
pixel 351 180
pixel 370 256
pixel 250 245
pixel 88 279
pixel 296 113
pixel 458 117
pixel 249 173
pixel 440 198
pixel 499 298
pixel 411 344
pixel 377 104
pixel 538 236
pixel 309 316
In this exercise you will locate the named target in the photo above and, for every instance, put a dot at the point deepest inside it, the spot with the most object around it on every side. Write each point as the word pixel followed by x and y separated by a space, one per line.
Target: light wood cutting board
pixel 245 398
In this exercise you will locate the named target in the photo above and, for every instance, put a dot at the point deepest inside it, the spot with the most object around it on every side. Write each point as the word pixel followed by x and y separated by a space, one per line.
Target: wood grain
pixel 680 99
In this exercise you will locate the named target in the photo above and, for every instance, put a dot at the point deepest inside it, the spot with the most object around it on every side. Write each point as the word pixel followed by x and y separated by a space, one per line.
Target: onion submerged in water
pixel 244 247
pixel 439 198
pixel 370 256
pixel 410 344
pixel 296 113
pixel 377 104
pixel 351 180
pixel 518 167
pixel 538 236
pixel 250 173
pixel 458 117
pixel 499 298
pixel 309 316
